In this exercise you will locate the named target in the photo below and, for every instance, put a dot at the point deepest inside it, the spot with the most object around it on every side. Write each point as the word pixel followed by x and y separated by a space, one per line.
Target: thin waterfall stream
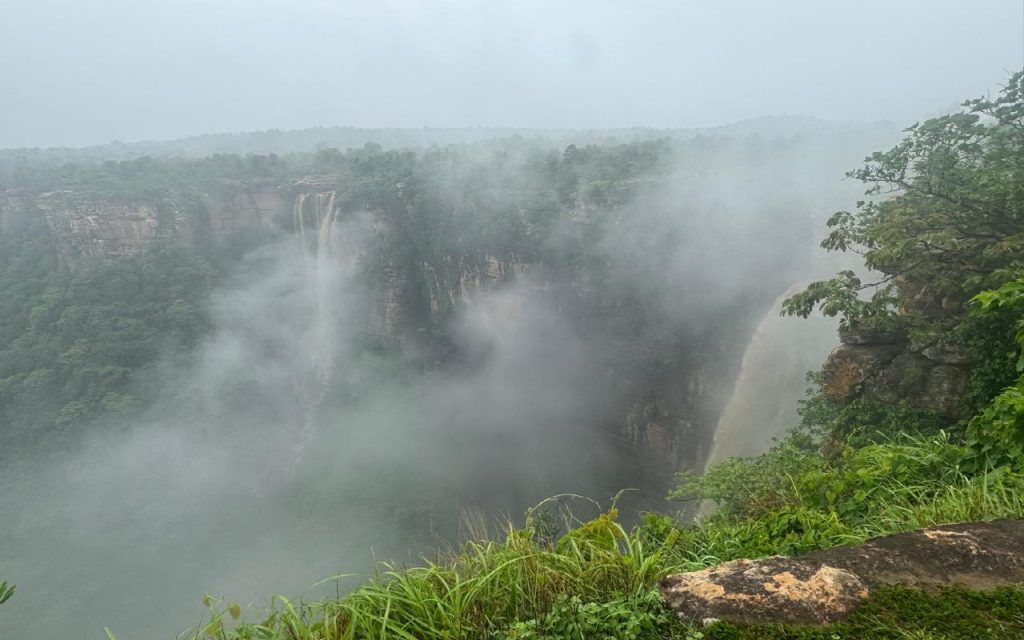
pixel 316 212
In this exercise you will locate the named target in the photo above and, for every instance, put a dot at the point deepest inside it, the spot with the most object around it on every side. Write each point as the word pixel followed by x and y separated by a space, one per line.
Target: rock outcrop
pixel 849 366
pixel 884 366
pixel 825 586
pixel 247 208
pixel 91 227
pixel 88 226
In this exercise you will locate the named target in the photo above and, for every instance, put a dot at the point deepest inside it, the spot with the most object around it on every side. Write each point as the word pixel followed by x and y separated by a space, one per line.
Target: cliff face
pixel 885 367
pixel 87 226
pixel 248 208
pixel 668 378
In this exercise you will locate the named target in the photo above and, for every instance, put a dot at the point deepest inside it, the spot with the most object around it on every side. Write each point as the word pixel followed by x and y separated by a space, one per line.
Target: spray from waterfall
pixel 771 380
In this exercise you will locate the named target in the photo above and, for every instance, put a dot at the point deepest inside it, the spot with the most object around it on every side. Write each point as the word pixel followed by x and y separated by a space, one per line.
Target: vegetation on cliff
pixel 82 337
pixel 948 240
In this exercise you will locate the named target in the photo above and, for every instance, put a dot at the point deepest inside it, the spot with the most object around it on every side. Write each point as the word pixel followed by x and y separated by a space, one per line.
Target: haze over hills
pixel 307 140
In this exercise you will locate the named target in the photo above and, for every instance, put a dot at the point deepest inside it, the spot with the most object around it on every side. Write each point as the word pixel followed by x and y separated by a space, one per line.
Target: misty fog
pixel 336 414
pixel 285 449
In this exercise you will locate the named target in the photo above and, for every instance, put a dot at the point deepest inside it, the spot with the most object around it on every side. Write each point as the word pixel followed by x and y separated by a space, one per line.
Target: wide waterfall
pixel 772 378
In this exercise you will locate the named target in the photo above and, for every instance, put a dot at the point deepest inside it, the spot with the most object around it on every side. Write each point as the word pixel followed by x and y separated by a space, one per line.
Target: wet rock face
pixel 245 209
pixel 87 227
pixel 825 586
pixel 881 365
pixel 949 354
pixel 921 382
pixel 848 366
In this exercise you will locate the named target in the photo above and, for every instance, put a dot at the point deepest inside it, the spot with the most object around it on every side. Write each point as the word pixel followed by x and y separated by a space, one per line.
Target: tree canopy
pixel 944 219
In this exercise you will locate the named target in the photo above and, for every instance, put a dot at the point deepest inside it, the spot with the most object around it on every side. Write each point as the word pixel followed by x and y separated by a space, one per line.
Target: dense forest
pixel 639 271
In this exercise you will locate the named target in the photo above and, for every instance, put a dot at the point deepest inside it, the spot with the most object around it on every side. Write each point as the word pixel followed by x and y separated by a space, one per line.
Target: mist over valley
pixel 481 335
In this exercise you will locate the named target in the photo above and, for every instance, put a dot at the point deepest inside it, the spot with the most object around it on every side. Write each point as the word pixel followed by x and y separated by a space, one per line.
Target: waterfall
pixel 317 218
pixel 316 213
pixel 771 379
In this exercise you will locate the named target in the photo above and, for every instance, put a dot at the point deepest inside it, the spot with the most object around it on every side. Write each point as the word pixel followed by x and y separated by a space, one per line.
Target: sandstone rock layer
pixel 825 586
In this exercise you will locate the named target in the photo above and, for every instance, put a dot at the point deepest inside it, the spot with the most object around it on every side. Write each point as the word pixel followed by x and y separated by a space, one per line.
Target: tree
pixel 944 221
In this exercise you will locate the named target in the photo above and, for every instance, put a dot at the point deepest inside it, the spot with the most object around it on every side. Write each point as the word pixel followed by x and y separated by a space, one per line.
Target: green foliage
pixel 899 613
pixel 598 578
pixel 6 591
pixel 86 337
pixel 749 487
pixel 860 421
pixel 640 617
pixel 948 221
pixel 792 500
pixel 840 296
pixel 991 336
pixel 1008 297
pixel 995 436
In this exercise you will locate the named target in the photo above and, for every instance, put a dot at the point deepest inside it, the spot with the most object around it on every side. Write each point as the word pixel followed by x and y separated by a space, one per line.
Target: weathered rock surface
pixel 245 209
pixel 949 354
pixel 921 382
pixel 882 365
pixel 848 366
pixel 775 589
pixel 862 335
pixel 91 227
pixel 825 586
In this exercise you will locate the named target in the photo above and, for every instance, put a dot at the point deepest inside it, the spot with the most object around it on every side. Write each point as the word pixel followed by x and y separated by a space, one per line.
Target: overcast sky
pixel 77 72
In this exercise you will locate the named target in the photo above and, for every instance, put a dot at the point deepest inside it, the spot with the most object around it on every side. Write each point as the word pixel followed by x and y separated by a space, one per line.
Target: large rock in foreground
pixel 825 586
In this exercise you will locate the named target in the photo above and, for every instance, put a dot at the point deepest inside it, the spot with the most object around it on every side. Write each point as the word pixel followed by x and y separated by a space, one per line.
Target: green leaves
pixel 840 296
pixel 6 591
pixel 995 436
pixel 640 617
pixel 947 220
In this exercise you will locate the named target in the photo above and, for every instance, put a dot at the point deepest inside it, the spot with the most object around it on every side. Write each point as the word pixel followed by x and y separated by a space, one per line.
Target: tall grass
pixel 488 588
pixel 480 591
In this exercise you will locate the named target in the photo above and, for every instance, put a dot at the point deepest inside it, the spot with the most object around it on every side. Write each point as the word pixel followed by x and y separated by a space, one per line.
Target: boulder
pixel 825 586
pixel 770 589
pixel 943 390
